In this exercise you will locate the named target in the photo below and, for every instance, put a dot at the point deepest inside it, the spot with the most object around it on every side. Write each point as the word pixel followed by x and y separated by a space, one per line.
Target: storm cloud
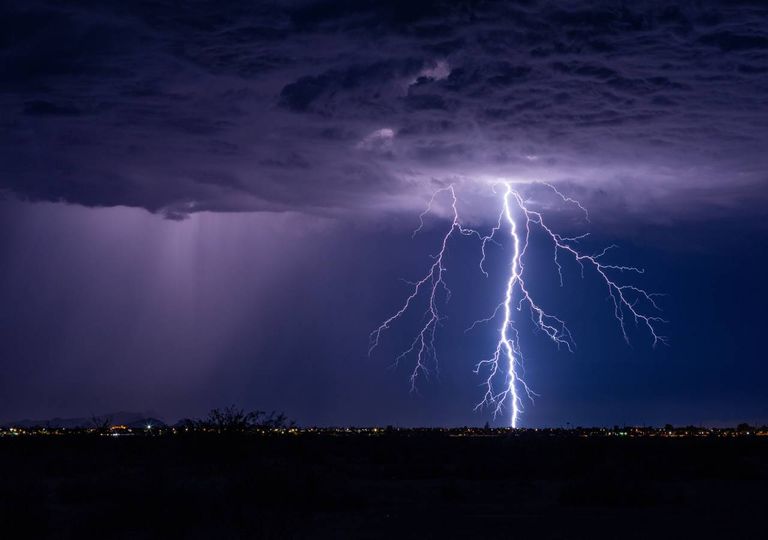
pixel 333 107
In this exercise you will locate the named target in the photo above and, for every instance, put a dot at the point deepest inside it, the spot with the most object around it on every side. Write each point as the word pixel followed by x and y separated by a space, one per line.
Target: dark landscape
pixel 386 483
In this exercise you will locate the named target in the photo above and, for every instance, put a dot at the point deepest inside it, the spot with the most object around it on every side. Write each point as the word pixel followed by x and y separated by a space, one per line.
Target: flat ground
pixel 391 486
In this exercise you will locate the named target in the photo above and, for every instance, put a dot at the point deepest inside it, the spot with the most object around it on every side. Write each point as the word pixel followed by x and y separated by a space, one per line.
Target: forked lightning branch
pixel 517 218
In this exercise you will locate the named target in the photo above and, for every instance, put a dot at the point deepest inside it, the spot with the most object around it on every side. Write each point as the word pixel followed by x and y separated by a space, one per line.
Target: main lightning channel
pixel 504 338
pixel 629 301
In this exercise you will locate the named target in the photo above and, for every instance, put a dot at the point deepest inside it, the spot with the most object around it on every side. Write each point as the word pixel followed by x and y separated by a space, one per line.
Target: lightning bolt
pixel 630 303
pixel 434 282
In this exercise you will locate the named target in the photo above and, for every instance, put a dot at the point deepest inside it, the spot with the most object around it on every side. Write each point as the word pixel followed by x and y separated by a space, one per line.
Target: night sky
pixel 209 203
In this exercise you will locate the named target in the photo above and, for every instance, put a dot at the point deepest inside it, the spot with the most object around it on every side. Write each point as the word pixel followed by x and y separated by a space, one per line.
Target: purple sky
pixel 210 205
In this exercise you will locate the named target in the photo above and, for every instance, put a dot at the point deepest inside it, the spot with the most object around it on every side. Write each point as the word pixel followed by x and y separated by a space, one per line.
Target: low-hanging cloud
pixel 345 106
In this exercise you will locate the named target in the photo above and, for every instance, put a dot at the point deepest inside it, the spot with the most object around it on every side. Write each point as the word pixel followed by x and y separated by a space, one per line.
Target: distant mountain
pixel 129 419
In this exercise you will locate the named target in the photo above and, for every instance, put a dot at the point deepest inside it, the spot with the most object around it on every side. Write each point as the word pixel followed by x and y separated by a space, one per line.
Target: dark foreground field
pixel 392 486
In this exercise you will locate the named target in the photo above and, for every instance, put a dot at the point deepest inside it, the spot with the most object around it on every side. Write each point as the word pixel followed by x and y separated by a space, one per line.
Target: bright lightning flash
pixel 630 303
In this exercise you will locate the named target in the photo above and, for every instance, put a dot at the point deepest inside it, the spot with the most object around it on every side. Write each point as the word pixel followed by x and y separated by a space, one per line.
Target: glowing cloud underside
pixel 502 381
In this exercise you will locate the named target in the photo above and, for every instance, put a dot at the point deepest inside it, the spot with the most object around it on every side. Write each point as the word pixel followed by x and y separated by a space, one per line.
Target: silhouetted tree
pixel 230 419
pixel 101 424
pixel 235 420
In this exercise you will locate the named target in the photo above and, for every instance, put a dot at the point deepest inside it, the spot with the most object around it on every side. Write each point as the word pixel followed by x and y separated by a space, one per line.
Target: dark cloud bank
pixel 339 106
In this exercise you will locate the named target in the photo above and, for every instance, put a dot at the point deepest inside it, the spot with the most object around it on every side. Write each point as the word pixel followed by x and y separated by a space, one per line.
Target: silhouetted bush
pixel 232 420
